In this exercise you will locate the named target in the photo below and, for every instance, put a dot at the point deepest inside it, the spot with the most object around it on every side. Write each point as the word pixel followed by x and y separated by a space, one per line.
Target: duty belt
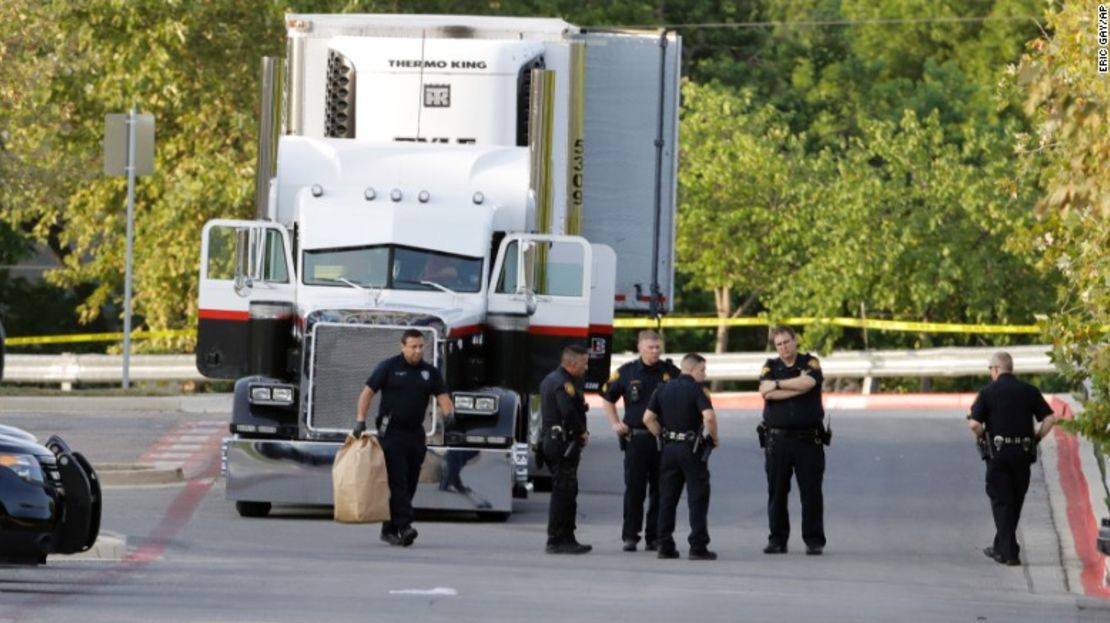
pixel 633 431
pixel 800 433
pixel 1011 441
pixel 1000 441
pixel 688 436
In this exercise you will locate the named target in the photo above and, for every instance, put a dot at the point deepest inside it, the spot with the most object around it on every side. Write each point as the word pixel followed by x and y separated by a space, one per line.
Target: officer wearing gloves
pixel 793 436
pixel 563 409
pixel 1003 414
pixel 406 382
pixel 681 415
pixel 635 382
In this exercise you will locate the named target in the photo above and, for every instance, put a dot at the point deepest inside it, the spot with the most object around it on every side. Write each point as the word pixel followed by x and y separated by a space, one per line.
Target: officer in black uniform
pixel 406 382
pixel 635 382
pixel 681 414
pixel 1003 412
pixel 563 409
pixel 793 436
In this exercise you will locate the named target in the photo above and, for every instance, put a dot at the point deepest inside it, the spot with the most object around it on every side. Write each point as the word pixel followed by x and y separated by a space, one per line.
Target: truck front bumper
pixel 299 473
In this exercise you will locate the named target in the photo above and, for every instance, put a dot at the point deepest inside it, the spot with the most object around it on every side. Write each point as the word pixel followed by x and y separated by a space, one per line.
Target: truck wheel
pixel 253 509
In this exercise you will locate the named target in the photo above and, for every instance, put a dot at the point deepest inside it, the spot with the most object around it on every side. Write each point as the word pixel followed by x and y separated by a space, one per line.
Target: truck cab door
pixel 246 305
pixel 539 301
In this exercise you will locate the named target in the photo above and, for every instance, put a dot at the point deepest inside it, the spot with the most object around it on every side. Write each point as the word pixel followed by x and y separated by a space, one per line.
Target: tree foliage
pixel 1069 153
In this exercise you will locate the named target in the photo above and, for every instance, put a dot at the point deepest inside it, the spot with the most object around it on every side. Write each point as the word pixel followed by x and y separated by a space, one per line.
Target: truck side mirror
pixel 530 302
pixel 243 283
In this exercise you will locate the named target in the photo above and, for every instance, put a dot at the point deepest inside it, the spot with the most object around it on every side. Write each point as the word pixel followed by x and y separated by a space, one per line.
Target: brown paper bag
pixel 359 481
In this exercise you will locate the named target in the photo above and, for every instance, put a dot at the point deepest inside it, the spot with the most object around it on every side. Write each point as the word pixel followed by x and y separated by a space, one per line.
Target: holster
pixel 826 436
pixel 703 447
pixel 623 440
pixel 761 433
pixel 984 447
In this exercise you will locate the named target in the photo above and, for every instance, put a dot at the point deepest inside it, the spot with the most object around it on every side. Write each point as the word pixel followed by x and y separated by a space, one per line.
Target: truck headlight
pixel 25 466
pixel 272 394
pixel 476 404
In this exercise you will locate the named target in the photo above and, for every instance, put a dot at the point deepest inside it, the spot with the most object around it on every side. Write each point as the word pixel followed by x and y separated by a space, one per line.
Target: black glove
pixel 360 428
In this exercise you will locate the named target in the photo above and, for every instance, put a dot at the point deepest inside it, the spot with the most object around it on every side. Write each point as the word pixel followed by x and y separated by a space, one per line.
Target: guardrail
pixel 69 369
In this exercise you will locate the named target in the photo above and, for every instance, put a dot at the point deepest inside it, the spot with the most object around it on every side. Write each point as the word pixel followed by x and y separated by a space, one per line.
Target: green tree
pixel 194 66
pixel 1069 154
pixel 743 185
pixel 915 226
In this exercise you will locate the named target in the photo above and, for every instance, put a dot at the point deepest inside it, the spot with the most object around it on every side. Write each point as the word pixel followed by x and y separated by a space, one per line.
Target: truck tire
pixel 253 509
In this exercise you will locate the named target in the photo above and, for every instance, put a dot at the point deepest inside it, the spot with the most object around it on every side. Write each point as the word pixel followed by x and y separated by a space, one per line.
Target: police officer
pixel 635 382
pixel 406 382
pixel 793 436
pixel 1003 412
pixel 681 414
pixel 563 409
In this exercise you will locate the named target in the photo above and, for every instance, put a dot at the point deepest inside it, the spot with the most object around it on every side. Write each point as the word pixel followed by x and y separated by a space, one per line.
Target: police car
pixel 49 498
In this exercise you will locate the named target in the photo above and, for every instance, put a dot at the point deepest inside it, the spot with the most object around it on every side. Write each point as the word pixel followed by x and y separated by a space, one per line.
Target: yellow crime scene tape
pixel 95 337
pixel 620 323
pixel 857 323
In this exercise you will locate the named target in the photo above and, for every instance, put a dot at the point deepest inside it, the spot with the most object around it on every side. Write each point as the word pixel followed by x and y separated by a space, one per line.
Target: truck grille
pixel 343 355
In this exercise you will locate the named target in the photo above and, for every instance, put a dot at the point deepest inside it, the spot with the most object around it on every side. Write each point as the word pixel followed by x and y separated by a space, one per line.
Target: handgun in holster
pixel 383 425
pixel 703 447
pixel 761 433
pixel 983 447
pixel 826 433
pixel 624 440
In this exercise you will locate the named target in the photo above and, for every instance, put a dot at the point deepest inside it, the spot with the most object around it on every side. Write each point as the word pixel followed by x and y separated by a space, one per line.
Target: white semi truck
pixel 502 185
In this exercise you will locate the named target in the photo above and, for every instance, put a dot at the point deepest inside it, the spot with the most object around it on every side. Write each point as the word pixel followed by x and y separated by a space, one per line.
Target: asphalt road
pixel 906 519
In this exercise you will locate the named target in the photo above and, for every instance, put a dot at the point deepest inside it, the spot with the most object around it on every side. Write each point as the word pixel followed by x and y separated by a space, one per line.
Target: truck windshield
pixel 388 266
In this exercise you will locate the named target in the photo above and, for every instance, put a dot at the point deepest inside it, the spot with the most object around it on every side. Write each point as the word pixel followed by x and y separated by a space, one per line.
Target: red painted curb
pixel 1081 517
pixel 843 402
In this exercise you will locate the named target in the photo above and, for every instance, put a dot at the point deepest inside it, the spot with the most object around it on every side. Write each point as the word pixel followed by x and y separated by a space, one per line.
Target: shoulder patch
pixel 614 377
pixel 765 371
pixel 568 387
pixel 813 363
pixel 707 394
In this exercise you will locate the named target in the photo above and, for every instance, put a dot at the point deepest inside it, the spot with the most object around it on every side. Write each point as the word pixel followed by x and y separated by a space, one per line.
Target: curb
pixel 132 474
pixel 205 403
pixel 1074 461
pixel 841 402
pixel 109 547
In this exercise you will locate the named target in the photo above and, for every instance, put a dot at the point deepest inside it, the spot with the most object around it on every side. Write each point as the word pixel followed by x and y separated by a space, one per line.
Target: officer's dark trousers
pixel 1007 483
pixel 679 466
pixel 641 479
pixel 564 492
pixel 805 459
pixel 404 454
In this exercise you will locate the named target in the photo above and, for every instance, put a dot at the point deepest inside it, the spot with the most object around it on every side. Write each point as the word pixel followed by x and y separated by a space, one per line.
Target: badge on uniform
pixel 424 373
pixel 568 387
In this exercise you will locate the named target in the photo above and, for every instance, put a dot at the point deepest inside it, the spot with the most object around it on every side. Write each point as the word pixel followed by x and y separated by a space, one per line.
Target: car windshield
pixel 399 268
